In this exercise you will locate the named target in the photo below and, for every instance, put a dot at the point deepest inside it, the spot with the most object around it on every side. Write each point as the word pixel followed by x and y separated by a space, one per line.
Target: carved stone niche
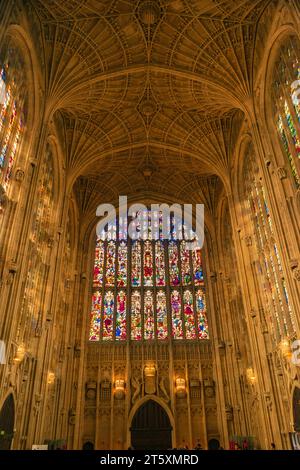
pixel 77 349
pixel 209 387
pixel 229 412
pixel 294 265
pixel 72 416
pixel 281 172
pixel 221 347
pixel 248 240
pixel 150 378
pixel 3 197
pixel 91 390
pixel 194 383
pixel 19 175
pixel 296 273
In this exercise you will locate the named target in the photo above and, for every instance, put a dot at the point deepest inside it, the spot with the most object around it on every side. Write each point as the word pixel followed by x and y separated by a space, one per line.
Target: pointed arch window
pixel 278 309
pixel 164 297
pixel 39 254
pixel 285 95
pixel 12 116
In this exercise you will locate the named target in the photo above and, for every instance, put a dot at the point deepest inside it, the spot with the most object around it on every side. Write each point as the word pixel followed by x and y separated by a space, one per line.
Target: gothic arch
pixel 23 41
pixel 58 179
pixel 245 140
pixel 141 402
pixel 96 157
pixel 295 406
pixel 265 104
pixel 7 421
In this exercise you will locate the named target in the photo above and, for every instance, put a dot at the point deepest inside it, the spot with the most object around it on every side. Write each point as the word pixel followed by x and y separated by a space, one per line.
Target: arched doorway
pixel 296 409
pixel 151 428
pixel 7 420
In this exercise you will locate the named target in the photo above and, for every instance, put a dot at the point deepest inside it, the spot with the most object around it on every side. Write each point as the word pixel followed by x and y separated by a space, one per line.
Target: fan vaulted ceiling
pixel 149 94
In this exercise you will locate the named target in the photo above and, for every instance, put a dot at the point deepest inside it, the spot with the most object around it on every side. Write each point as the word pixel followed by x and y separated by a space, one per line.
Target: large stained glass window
pixel 285 99
pixel 278 310
pixel 147 290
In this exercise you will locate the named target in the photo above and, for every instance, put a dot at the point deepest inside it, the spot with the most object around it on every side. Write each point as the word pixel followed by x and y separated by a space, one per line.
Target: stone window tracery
pixel 147 290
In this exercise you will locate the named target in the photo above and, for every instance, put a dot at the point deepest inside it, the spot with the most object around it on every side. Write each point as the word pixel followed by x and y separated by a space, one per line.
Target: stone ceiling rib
pixel 148 84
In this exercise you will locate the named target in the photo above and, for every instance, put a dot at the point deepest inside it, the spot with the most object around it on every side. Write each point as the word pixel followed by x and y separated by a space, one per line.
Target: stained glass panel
pixel 160 264
pixel 173 264
pixel 197 266
pixel 121 316
pixel 136 264
pixel 110 264
pixel 161 314
pixel 108 315
pixel 201 314
pixel 185 265
pixel 177 330
pixel 95 323
pixel 148 315
pixel 189 319
pixel 122 265
pixel 148 264
pixel 136 316
pixel 99 264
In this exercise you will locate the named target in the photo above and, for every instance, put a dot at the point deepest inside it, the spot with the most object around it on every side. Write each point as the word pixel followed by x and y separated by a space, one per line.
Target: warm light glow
pixel 20 353
pixel 51 378
pixel 285 348
pixel 180 387
pixel 251 375
pixel 150 370
pixel 119 388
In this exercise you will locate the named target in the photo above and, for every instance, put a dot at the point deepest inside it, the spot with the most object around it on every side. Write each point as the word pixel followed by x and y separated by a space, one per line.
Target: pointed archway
pixel 151 427
pixel 7 420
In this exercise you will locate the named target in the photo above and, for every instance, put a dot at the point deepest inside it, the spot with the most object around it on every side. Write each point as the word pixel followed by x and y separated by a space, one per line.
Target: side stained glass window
pixel 285 99
pixel 278 310
pixel 12 112
pixel 40 233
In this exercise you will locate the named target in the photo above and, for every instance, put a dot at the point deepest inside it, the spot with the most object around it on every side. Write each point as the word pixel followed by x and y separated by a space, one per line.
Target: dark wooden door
pixel 151 428
pixel 296 409
pixel 7 420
